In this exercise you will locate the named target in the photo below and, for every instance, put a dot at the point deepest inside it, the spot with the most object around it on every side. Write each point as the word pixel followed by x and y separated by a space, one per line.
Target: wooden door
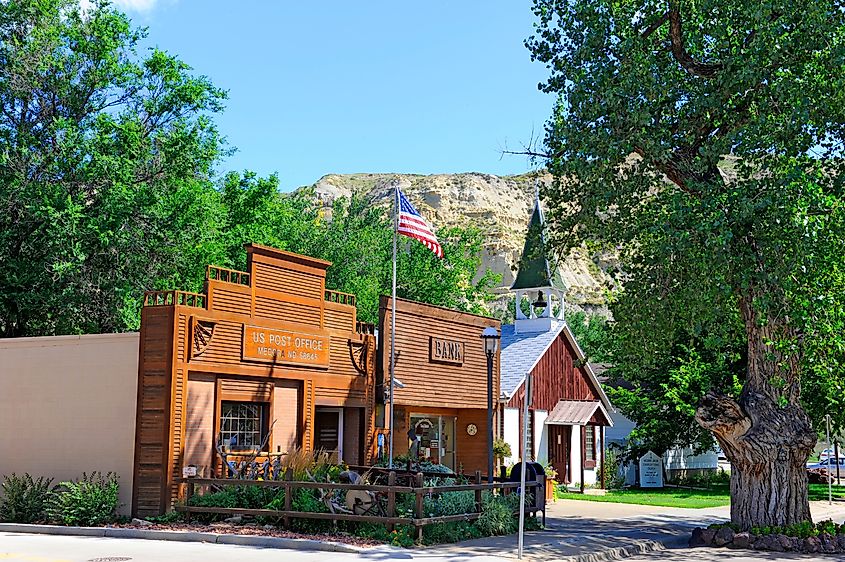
pixel 560 437
pixel 327 431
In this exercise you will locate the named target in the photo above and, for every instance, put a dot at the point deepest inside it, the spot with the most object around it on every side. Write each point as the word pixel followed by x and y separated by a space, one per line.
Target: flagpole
pixel 393 317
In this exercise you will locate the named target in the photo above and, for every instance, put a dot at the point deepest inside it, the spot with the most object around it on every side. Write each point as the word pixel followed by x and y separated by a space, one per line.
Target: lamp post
pixel 491 342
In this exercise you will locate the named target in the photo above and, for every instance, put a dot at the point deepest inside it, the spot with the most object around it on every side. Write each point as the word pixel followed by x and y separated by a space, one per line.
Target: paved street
pixel 573 528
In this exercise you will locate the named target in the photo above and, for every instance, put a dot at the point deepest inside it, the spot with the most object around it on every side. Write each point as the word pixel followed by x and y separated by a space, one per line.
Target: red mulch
pixel 251 529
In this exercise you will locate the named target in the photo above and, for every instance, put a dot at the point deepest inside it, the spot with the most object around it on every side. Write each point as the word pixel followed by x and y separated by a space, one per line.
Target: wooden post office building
pixel 268 358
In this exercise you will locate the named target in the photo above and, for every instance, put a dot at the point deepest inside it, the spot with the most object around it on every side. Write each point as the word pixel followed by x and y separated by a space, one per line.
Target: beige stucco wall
pixel 67 406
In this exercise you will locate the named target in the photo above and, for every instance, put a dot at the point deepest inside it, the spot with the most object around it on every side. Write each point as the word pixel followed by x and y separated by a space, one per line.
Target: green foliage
pixel 167 518
pixel 591 333
pixel 708 163
pixel 802 530
pixel 501 449
pixel 90 501
pixel 497 515
pixel 610 466
pixel 104 173
pixel 422 466
pixel 24 498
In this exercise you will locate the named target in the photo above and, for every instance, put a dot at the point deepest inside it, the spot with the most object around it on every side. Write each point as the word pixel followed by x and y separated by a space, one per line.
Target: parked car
pixel 828 453
pixel 829 463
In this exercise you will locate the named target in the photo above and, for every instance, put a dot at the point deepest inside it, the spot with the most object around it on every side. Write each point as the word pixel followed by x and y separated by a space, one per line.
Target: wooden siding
pixel 281 291
pixel 556 377
pixel 225 297
pixel 340 317
pixel 152 427
pixel 295 313
pixel 282 279
pixel 430 383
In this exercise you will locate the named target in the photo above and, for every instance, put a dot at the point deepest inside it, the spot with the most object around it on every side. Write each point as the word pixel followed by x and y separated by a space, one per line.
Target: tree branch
pixel 676 37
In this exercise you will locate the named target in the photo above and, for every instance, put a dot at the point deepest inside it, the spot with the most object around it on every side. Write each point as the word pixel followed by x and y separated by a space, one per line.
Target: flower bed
pixel 826 537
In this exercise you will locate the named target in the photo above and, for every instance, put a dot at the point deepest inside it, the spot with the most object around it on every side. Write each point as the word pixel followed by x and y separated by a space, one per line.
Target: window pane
pixel 242 425
pixel 589 444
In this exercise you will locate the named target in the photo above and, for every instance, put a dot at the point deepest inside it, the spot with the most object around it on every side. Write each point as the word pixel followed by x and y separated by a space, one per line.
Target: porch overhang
pixel 579 412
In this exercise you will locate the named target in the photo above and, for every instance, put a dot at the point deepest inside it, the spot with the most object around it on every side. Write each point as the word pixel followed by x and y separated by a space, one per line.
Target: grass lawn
pixel 683 497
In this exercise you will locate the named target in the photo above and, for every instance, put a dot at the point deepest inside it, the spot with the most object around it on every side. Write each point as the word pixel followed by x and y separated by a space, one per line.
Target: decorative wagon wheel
pixel 363 502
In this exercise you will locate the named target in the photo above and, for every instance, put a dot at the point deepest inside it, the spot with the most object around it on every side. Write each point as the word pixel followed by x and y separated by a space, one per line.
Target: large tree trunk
pixel 765 433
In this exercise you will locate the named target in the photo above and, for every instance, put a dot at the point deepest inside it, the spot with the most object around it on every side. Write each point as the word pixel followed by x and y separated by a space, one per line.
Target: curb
pixel 183 536
pixel 618 553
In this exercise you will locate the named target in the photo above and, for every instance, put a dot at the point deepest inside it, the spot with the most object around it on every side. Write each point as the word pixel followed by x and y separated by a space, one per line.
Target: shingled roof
pixel 522 351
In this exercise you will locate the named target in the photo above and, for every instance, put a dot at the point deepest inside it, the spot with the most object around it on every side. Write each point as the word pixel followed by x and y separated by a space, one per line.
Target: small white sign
pixel 189 471
pixel 651 471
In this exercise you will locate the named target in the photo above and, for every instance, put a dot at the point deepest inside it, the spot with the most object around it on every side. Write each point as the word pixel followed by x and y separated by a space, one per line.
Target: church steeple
pixel 535 277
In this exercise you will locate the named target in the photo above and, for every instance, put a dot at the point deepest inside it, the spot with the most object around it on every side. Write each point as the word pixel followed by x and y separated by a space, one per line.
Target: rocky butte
pixel 499 205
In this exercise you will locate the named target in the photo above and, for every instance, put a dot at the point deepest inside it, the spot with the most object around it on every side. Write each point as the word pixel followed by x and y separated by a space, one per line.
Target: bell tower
pixel 537 281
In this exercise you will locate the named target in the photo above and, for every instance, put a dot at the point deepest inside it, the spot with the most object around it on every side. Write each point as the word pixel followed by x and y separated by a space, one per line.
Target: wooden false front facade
pixel 269 349
pixel 441 389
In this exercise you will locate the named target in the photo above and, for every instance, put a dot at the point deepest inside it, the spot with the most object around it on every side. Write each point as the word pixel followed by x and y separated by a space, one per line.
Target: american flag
pixel 412 224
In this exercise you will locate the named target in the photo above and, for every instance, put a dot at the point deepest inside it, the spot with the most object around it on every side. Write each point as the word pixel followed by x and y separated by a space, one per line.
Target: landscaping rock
pixel 785 542
pixel 724 536
pixel 702 537
pixel 812 544
pixel 840 542
pixel 829 545
pixel 268 527
pixel 763 543
pixel 142 523
pixel 235 520
pixel 741 540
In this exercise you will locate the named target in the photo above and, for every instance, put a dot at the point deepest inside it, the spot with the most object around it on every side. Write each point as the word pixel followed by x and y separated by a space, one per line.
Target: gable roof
pixel 522 351
pixel 576 412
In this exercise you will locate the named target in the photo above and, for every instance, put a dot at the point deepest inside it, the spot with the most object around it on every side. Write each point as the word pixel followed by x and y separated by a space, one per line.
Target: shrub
pixel 501 449
pixel 248 497
pixel 24 498
pixel 613 478
pixel 92 500
pixel 497 515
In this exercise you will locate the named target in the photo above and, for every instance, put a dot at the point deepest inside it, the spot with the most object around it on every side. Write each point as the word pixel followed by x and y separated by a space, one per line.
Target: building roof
pixel 575 412
pixel 521 351
pixel 534 270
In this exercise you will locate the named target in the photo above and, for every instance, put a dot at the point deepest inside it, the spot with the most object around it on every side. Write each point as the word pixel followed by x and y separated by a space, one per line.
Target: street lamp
pixel 491 338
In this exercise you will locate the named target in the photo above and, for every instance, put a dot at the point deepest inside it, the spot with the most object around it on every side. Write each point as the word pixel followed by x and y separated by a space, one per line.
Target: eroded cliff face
pixel 500 206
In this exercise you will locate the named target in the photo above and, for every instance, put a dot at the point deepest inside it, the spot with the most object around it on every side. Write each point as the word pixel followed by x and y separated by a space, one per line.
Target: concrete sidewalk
pixel 586 531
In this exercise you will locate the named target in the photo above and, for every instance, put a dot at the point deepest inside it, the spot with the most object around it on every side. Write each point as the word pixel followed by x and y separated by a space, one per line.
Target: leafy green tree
pixel 104 169
pixel 705 140
pixel 592 334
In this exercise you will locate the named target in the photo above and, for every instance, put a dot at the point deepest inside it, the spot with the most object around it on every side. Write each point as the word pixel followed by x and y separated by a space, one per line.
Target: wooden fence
pixel 389 492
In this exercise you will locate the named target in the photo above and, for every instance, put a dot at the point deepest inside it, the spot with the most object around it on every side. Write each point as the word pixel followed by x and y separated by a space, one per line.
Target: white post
pixel 393 318
pixel 829 473
pixel 525 404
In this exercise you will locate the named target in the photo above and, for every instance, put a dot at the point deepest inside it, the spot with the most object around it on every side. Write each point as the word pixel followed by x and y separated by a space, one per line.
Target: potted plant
pixel 551 481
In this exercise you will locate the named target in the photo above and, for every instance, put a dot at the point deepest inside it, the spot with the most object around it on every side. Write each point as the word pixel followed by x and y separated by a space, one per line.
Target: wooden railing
pixel 365 328
pixel 340 298
pixel 217 273
pixel 384 498
pixel 170 298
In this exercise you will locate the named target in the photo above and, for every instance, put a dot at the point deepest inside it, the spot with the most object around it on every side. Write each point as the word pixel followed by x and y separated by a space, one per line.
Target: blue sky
pixel 367 86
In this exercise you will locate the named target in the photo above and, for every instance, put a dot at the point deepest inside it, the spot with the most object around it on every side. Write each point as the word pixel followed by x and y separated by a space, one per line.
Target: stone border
pixel 727 537
pixel 184 536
